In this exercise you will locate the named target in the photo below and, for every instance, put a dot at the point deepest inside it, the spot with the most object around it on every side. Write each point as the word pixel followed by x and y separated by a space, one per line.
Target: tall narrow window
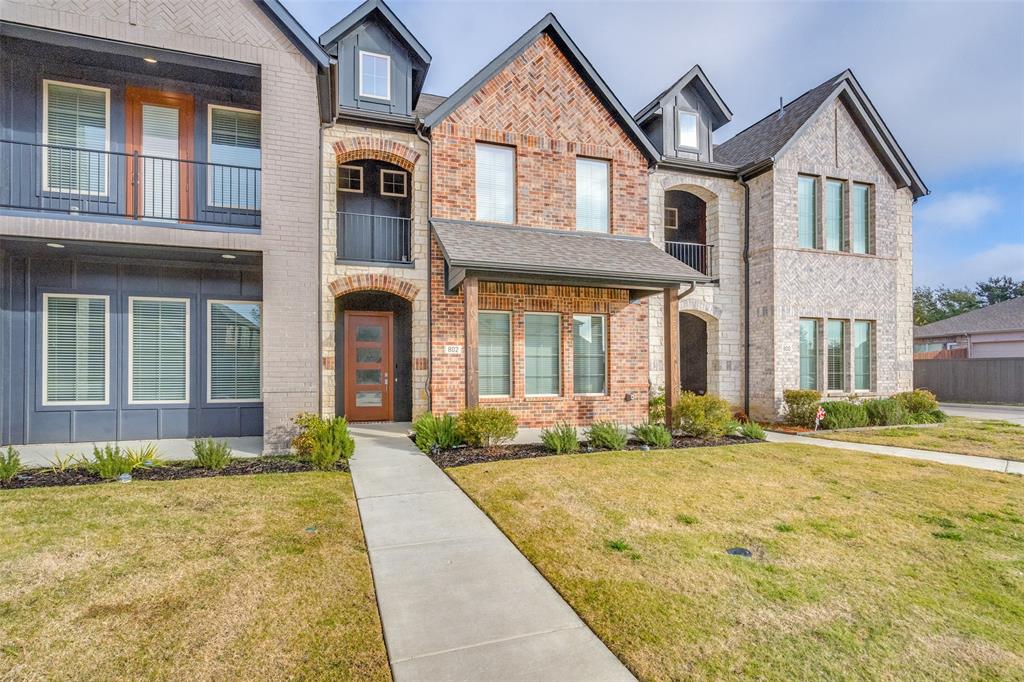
pixel 809 354
pixel 591 195
pixel 76 129
pixel 233 347
pixel 495 183
pixel 835 331
pixel 494 355
pixel 834 215
pixel 234 155
pixel 543 359
pixel 861 219
pixel 589 354
pixel 807 205
pixel 76 349
pixel 863 354
pixel 158 350
pixel 374 75
pixel 686 123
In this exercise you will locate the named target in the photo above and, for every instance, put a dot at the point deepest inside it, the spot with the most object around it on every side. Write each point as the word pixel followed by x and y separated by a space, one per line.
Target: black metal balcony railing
pixel 697 256
pixel 375 238
pixel 88 182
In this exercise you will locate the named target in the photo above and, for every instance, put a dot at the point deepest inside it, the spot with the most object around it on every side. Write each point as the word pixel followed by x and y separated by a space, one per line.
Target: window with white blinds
pixel 861 218
pixel 233 351
pixel 589 354
pixel 809 354
pixel 863 354
pixel 76 128
pixel 543 356
pixel 76 349
pixel 591 195
pixel 494 354
pixel 234 151
pixel 834 215
pixel 807 209
pixel 495 183
pixel 158 350
pixel 835 343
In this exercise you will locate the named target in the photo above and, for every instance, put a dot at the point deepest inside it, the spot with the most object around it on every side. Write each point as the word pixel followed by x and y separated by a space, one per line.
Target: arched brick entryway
pixel 374 282
pixel 378 149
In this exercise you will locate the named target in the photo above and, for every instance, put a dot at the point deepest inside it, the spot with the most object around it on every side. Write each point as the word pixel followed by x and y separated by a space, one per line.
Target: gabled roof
pixel 696 75
pixel 998 317
pixel 549 25
pixel 293 29
pixel 770 137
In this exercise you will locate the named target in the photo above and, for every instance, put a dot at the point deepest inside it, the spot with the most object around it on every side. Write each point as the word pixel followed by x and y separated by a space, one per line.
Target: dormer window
pixel 374 75
pixel 686 129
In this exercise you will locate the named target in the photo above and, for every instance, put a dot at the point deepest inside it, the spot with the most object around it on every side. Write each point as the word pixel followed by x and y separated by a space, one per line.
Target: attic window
pixel 686 129
pixel 374 75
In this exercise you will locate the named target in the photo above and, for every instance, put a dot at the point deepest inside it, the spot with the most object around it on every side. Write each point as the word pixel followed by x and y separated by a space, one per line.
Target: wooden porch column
pixel 671 353
pixel 470 293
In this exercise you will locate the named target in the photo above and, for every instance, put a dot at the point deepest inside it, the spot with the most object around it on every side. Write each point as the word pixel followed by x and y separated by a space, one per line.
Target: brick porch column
pixel 470 293
pixel 671 328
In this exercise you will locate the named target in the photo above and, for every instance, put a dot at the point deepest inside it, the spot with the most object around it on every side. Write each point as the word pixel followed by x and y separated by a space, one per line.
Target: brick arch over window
pixel 378 149
pixel 374 282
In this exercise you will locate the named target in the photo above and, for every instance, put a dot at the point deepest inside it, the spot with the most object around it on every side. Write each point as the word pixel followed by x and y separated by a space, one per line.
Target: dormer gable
pixel 381 64
pixel 681 120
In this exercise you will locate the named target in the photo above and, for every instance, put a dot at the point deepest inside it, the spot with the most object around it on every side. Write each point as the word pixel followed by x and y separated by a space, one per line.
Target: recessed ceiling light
pixel 149 60
pixel 227 256
pixel 54 245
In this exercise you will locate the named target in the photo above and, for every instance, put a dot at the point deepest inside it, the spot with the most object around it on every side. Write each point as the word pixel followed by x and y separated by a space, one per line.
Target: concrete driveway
pixel 1009 413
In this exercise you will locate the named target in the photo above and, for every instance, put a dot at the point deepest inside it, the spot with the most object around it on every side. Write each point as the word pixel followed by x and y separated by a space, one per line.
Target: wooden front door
pixel 160 128
pixel 368 370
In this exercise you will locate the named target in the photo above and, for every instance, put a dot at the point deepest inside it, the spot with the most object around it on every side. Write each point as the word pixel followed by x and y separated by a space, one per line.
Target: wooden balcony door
pixel 160 129
pixel 368 368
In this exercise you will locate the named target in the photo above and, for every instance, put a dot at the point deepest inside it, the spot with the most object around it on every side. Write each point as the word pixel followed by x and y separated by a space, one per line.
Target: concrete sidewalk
pixel 986 463
pixel 457 600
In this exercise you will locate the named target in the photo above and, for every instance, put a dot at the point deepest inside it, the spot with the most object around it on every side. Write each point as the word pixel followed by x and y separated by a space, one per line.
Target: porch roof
pixel 527 254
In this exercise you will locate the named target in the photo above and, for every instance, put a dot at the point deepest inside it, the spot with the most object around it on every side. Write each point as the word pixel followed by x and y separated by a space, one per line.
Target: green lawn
pixel 863 567
pixel 250 577
pixel 988 438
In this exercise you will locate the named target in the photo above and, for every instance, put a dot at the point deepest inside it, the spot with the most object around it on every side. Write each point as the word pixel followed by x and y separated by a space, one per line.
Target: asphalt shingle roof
pixel 427 103
pixel 998 317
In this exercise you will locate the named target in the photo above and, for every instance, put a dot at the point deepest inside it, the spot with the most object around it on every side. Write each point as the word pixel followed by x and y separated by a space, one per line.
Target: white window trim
pixel 209 151
pixel 511 356
pixel 607 348
pixel 375 54
pixel 353 191
pixel 560 364
pixel 675 220
pixel 46 135
pixel 131 350
pixel 209 352
pixel 405 183
pixel 679 140
pixel 106 349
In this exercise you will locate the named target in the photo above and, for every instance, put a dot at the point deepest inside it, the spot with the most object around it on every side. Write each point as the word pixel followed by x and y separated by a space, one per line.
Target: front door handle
pixel 385 378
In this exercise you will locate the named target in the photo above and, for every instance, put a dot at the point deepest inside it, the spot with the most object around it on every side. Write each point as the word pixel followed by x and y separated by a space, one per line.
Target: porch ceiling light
pixel 149 60
pixel 54 245
pixel 227 256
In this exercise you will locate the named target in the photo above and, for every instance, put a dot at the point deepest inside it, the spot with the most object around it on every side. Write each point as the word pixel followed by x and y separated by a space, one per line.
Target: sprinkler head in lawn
pixel 739 551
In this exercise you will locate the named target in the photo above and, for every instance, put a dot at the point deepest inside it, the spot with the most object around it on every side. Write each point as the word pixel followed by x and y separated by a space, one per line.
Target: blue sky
pixel 947 77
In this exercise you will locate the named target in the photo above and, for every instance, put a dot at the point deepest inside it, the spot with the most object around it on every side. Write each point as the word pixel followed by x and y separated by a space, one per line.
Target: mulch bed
pixel 38 478
pixel 464 454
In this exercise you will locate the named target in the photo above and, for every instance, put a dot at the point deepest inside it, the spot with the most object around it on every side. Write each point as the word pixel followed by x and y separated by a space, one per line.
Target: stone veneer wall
pixel 236 30
pixel 365 141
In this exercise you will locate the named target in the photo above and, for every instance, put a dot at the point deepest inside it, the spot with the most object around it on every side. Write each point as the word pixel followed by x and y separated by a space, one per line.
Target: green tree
pixel 999 289
pixel 932 305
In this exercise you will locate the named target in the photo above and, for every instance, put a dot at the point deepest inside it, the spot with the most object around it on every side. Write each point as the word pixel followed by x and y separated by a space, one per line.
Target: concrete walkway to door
pixel 457 600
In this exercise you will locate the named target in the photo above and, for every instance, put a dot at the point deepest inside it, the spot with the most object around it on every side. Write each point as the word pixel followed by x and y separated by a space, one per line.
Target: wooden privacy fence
pixel 978 380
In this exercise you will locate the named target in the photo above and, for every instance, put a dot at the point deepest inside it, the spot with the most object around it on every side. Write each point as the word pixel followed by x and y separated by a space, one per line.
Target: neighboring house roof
pixel 426 104
pixel 998 317
pixel 697 76
pixel 557 256
pixel 549 24
pixel 769 137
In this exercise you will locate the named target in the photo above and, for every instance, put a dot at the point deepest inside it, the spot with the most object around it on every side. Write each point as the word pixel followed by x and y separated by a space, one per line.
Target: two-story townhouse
pixel 159 203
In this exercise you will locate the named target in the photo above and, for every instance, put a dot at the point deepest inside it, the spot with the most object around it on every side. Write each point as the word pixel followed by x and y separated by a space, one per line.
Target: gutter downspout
pixel 746 295
pixel 430 263
pixel 332 97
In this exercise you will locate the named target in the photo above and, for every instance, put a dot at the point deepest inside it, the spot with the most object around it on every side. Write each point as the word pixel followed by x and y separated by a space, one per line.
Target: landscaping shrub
pixel 483 426
pixel 841 414
pixel 331 442
pixel 885 412
pixel 703 416
pixel 431 431
pixel 656 407
pixel 211 454
pixel 653 435
pixel 933 417
pixel 801 406
pixel 144 456
pixel 607 436
pixel 562 439
pixel 752 430
pixel 919 401
pixel 109 462
pixel 308 422
pixel 10 464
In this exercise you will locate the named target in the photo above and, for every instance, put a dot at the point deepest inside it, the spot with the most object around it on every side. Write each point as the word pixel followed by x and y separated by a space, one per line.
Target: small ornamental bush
pixel 918 402
pixel 841 414
pixel 144 456
pixel 431 432
pixel 933 417
pixel 561 440
pixel 211 454
pixel 653 435
pixel 10 464
pixel 607 436
pixel 308 423
pixel 656 407
pixel 885 412
pixel 331 442
pixel 752 430
pixel 702 416
pixel 801 406
pixel 484 426
pixel 109 462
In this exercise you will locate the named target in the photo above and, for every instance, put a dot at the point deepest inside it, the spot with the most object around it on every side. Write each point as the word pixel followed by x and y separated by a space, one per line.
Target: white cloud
pixel 956 270
pixel 958 210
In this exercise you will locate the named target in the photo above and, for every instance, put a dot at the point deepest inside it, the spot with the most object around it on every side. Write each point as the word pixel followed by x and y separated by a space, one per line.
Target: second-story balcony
pixel 697 256
pixel 374 238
